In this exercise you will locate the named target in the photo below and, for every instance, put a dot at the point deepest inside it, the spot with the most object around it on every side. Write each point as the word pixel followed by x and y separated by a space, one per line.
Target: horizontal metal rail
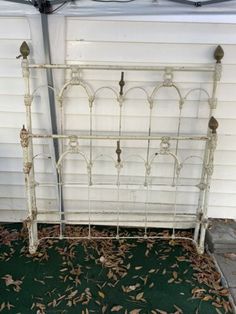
pixel 120 137
pixel 94 212
pixel 113 185
pixel 120 237
pixel 122 67
pixel 124 222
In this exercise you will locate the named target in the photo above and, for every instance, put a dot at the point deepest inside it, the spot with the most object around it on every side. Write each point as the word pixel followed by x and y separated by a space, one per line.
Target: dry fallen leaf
pixel 116 308
pixel 171 280
pixel 2 306
pixel 135 311
pixel 216 304
pixel 9 281
pixel 151 271
pixel 101 294
pixel 207 298
pixel 139 296
pixel 178 309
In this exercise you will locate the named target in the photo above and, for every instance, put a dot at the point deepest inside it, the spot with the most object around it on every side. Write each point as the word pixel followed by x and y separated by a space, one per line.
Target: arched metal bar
pixel 130 156
pixel 81 83
pixel 71 151
pixel 104 155
pixel 105 87
pixel 192 156
pixel 155 90
pixel 167 153
pixel 52 162
pixel 54 89
pixel 197 89
pixel 158 87
pixel 137 87
pixel 42 154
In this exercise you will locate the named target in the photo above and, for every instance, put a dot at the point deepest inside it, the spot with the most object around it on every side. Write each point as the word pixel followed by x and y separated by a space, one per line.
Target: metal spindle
pixel 146 208
pixel 175 199
pixel 89 208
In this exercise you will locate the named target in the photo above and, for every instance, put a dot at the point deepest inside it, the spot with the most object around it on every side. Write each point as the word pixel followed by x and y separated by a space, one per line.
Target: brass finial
pixel 118 151
pixel 24 50
pixel 213 124
pixel 122 83
pixel 218 54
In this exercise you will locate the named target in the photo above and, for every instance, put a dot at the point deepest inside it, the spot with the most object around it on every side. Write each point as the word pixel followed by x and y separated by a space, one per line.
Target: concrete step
pixel 221 236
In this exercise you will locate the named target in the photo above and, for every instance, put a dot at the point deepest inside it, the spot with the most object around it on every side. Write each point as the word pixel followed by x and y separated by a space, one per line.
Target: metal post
pixel 218 55
pixel 27 145
pixel 213 125
pixel 52 102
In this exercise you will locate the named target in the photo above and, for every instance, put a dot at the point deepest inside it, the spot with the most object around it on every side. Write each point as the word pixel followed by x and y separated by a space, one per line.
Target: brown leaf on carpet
pixel 40 281
pixel 216 304
pixel 2 307
pixel 151 271
pixel 9 281
pixel 171 280
pixel 207 298
pixel 139 296
pixel 138 267
pixel 116 308
pixel 101 294
pixel 178 309
pixel 135 311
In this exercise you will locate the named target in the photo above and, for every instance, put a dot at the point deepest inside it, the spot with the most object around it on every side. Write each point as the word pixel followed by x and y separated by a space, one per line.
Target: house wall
pixel 114 41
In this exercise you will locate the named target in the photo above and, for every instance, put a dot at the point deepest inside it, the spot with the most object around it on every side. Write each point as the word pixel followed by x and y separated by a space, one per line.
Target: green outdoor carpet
pixel 105 276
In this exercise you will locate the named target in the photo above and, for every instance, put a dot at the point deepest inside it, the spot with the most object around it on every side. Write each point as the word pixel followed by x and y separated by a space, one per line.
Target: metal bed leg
pixel 213 125
pixel 33 237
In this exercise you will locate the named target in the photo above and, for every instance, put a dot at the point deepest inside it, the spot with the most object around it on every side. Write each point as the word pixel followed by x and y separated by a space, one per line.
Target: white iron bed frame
pixel 69 144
